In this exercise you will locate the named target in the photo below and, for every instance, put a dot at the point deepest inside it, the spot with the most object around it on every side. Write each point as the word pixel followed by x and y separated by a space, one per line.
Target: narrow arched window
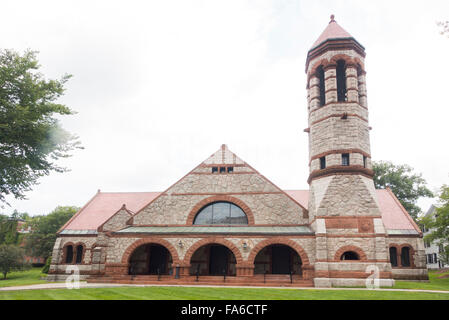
pixel 393 256
pixel 69 254
pixel 221 213
pixel 320 76
pixel 79 254
pixel 349 255
pixel 341 80
pixel 405 257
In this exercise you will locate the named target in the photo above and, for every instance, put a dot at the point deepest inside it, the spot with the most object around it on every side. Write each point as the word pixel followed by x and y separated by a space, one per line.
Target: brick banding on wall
pixel 216 198
pixel 339 151
pixel 339 115
pixel 341 170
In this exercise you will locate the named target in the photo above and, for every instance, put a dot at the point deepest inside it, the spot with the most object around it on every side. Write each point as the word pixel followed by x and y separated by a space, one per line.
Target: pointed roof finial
pixel 332 18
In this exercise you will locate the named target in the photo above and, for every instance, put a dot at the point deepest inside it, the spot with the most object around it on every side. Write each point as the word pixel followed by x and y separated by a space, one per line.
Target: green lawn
pixel 21 278
pixel 192 293
pixel 178 293
pixel 433 284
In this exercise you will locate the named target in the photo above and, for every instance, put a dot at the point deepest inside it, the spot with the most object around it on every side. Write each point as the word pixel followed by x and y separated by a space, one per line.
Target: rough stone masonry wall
pixel 335 133
pixel 268 204
pixel 344 195
pixel 58 267
pixel 418 268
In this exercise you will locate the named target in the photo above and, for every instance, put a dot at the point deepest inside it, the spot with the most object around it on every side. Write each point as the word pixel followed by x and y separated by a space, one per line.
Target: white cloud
pixel 159 86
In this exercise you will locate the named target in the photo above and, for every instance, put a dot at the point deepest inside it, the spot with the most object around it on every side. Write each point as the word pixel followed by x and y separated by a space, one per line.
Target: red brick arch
pixel 204 202
pixel 295 246
pixel 360 252
pixel 344 57
pixel 322 62
pixel 213 240
pixel 129 251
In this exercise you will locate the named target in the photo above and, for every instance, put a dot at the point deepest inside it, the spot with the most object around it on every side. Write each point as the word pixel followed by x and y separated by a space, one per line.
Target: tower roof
pixel 332 31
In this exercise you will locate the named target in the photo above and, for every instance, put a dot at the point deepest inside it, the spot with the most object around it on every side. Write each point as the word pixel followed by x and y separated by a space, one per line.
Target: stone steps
pixel 270 280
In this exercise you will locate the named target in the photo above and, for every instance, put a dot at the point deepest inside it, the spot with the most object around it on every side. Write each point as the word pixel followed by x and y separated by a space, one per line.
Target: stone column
pixel 362 89
pixel 184 269
pixel 330 83
pixel 314 93
pixel 244 269
pixel 352 83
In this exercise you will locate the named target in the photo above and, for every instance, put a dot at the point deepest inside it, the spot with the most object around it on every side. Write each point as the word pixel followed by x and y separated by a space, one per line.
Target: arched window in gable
pixel 341 81
pixel 321 84
pixel 69 254
pixel 221 213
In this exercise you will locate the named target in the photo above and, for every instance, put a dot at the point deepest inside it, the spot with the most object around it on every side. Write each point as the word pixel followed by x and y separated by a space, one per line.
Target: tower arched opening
pixel 341 81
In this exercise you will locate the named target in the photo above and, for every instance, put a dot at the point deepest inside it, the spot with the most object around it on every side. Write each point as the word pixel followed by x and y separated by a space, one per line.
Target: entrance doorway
pixel 277 259
pixel 150 259
pixel 213 260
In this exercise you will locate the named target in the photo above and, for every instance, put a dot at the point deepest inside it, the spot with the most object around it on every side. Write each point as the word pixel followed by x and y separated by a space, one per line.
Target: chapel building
pixel 225 223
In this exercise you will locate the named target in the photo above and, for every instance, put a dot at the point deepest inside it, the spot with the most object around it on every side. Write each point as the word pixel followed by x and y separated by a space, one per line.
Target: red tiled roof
pixel 104 204
pixel 301 196
pixel 394 215
pixel 332 31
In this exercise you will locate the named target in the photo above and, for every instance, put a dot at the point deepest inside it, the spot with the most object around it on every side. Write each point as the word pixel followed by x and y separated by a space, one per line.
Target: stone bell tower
pixel 343 206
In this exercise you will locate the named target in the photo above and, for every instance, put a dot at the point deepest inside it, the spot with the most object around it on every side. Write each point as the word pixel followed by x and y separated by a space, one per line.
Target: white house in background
pixel 432 249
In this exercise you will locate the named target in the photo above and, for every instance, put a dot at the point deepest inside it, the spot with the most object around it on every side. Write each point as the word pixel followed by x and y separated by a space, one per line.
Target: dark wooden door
pixel 218 260
pixel 281 260
pixel 158 260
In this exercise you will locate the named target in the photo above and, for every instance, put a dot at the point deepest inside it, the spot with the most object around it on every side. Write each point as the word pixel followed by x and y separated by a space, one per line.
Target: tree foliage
pixel 438 224
pixel 8 227
pixel 407 186
pixel 11 259
pixel 40 241
pixel 31 138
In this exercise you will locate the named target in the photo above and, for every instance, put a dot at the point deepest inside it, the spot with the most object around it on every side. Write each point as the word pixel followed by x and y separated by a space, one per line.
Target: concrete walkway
pixel 83 284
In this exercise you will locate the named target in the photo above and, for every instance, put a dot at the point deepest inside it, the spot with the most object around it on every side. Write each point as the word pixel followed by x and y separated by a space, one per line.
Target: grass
pixel 21 278
pixel 200 293
pixel 191 293
pixel 433 284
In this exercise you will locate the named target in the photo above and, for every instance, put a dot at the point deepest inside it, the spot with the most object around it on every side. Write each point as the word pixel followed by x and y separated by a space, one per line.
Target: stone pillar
pixel 352 91
pixel 308 272
pixel 321 264
pixel 244 270
pixel 362 89
pixel 330 83
pixel 184 269
pixel 314 93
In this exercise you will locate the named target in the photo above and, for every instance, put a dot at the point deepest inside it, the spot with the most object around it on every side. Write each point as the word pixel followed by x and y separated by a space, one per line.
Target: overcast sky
pixel 158 86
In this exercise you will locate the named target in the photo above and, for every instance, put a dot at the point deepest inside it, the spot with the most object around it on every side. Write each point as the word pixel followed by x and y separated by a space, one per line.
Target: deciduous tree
pixel 40 241
pixel 31 138
pixel 11 259
pixel 407 186
pixel 438 223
